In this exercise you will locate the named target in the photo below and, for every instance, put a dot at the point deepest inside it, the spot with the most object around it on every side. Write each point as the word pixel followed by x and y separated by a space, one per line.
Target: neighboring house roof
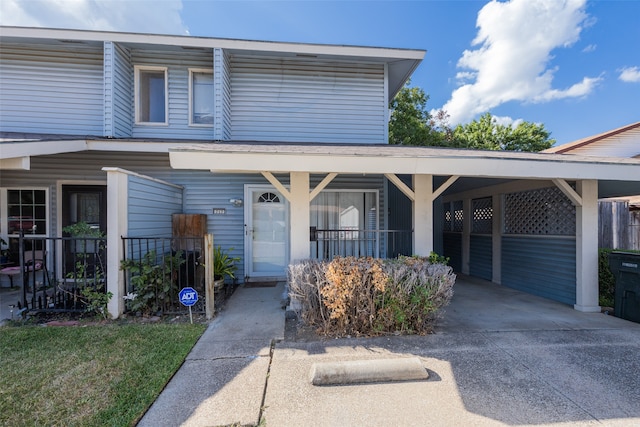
pixel 621 142
pixel 400 62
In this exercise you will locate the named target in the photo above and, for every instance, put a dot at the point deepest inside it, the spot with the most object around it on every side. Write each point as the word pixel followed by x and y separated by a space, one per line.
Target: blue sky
pixel 573 65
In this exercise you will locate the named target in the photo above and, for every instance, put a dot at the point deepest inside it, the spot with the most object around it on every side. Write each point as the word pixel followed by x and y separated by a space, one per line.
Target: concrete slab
pixel 223 379
pixel 211 393
pixel 498 357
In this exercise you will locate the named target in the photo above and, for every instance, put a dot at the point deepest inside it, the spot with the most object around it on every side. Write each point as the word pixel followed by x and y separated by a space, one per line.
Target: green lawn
pixel 102 375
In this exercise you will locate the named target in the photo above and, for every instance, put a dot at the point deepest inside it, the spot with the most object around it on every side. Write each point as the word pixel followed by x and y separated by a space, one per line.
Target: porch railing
pixel 55 270
pixel 329 243
pixel 157 268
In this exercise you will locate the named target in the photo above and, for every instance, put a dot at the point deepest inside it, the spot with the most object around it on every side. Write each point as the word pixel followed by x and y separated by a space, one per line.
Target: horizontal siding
pixel 481 257
pixel 452 249
pixel 52 89
pixel 150 206
pixel 625 144
pixel 306 101
pixel 203 190
pixel 541 266
pixel 178 64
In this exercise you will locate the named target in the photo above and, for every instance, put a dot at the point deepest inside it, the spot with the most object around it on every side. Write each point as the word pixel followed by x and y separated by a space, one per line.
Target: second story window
pixel 200 97
pixel 151 95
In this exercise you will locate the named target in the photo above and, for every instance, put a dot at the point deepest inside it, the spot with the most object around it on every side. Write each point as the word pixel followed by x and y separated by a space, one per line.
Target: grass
pixel 102 375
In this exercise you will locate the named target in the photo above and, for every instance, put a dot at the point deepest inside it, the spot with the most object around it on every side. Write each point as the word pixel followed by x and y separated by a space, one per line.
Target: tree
pixel 410 122
pixel 486 134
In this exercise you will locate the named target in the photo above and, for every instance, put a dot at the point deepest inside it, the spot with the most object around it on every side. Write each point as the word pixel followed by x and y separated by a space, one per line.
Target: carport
pixel 444 180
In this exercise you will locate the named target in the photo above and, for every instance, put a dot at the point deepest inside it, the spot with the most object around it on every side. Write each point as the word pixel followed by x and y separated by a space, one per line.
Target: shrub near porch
pixel 370 296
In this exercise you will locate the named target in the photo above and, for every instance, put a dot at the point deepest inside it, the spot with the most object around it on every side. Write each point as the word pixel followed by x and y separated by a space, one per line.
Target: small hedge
pixel 370 296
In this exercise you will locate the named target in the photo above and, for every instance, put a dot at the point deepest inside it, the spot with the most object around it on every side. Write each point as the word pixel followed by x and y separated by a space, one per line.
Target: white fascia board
pixel 507 168
pixel 205 42
pixel 9 150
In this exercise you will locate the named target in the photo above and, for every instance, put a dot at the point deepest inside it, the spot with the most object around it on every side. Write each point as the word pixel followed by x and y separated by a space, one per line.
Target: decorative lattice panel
pixel 446 210
pixel 482 220
pixel 458 215
pixel 546 211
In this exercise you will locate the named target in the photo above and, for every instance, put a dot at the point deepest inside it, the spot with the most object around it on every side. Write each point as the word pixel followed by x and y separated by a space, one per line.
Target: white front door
pixel 266 232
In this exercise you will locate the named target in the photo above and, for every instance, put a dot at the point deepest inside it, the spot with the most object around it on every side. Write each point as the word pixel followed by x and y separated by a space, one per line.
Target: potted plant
pixel 84 233
pixel 223 266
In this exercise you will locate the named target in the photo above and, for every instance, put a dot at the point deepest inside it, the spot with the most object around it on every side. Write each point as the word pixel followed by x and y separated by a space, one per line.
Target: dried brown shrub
pixel 369 296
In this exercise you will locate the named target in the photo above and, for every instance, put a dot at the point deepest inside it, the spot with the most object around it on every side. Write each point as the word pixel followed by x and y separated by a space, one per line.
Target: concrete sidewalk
pixel 222 381
pixel 499 357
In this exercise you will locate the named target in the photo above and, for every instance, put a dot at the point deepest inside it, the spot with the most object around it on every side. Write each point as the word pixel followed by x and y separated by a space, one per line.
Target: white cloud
pixel 630 74
pixel 511 62
pixel 590 48
pixel 140 16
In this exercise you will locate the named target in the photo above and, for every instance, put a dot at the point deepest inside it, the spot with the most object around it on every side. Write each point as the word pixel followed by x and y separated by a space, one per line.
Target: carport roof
pixel 617 176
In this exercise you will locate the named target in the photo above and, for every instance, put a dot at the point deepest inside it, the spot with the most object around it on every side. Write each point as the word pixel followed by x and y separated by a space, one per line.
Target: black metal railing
pixel 329 243
pixel 156 268
pixel 55 270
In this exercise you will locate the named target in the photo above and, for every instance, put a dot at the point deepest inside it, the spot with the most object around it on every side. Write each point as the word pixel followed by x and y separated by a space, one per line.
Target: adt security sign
pixel 188 296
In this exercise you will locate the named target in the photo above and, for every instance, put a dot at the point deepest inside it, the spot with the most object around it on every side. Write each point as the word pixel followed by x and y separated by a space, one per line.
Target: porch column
pixel 587 247
pixel 117 183
pixel 423 215
pixel 300 216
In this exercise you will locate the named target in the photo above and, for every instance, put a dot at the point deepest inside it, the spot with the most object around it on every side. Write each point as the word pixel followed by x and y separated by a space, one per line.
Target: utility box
pixel 625 267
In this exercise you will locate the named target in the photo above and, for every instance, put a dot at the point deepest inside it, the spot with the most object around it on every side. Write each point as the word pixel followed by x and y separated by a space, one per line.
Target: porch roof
pixel 616 176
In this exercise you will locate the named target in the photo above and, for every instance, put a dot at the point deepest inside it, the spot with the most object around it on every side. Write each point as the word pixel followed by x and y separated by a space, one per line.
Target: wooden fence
pixel 619 226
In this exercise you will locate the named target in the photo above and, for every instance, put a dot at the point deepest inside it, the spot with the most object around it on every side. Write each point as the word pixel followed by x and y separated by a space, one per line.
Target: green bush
pixel 369 296
pixel 606 280
pixel 153 279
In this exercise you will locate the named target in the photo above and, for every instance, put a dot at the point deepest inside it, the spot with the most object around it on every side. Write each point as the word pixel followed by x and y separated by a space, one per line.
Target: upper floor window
pixel 151 95
pixel 200 97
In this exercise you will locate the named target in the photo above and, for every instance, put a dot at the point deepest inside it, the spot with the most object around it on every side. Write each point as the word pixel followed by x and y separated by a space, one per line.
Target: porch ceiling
pixel 617 176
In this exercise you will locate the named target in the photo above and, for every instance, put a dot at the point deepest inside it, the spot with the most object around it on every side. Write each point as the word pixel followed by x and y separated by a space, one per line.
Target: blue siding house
pixel 283 146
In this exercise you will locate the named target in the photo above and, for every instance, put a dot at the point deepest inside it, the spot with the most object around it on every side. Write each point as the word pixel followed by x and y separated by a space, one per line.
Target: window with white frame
pixel 200 97
pixel 151 95
pixel 26 211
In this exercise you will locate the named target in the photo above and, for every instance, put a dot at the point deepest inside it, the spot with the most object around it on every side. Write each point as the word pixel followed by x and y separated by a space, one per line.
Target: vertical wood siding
pixel 178 64
pixel 222 97
pixel 307 101
pixel 52 89
pixel 123 92
pixel 619 226
pixel 540 266
pixel 108 89
pixel 151 204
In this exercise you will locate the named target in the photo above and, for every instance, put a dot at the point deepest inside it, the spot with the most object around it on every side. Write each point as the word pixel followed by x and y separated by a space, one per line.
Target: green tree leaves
pixel 411 124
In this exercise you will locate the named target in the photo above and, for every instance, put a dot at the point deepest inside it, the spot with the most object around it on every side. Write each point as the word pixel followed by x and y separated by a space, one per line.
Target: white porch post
pixel 116 226
pixel 587 247
pixel 423 215
pixel 300 216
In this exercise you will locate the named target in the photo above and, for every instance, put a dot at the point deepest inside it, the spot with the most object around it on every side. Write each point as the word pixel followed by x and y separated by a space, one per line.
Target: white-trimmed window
pixel 151 95
pixel 200 97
